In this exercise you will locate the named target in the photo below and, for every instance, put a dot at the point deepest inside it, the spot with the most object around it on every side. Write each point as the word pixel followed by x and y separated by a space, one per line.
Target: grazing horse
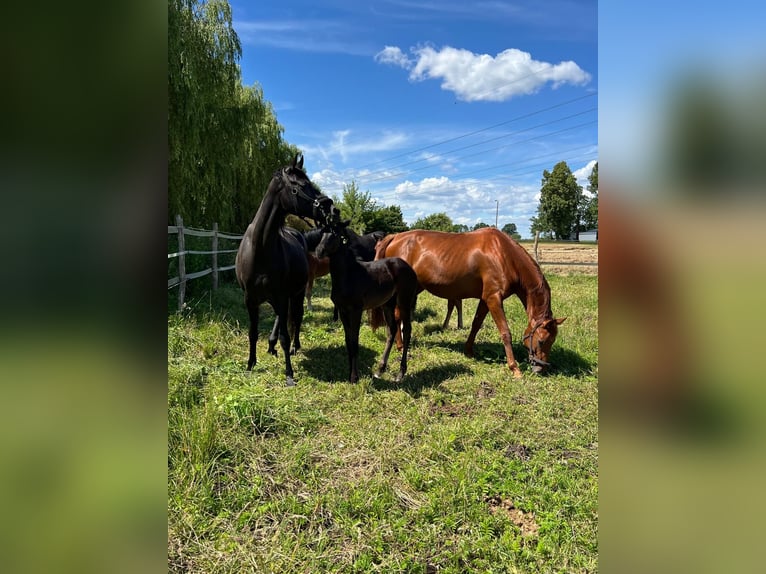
pixel 358 285
pixel 488 265
pixel 271 263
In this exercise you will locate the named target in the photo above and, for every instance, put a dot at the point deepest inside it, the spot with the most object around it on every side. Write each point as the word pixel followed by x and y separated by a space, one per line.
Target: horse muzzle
pixel 323 210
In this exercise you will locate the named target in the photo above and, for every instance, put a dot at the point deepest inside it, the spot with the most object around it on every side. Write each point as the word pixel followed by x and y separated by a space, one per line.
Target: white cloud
pixel 393 56
pixel 481 77
pixel 466 202
pixel 342 145
pixel 582 174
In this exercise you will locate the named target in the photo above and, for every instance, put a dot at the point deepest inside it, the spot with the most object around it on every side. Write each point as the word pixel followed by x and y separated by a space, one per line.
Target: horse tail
pixel 382 245
pixel 376 318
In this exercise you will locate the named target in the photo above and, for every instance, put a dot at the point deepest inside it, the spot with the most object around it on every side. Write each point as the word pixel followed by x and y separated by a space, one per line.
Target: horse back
pixel 455 265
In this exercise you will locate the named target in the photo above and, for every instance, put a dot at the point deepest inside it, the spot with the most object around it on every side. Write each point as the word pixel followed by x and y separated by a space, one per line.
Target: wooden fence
pixel 214 269
pixel 183 277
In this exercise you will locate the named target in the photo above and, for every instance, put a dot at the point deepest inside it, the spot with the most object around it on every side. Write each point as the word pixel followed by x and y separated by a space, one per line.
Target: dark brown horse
pixel 488 265
pixel 363 247
pixel 358 285
pixel 271 263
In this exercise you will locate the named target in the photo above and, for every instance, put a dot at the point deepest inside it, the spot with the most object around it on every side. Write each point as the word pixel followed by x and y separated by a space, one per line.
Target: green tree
pixel 434 222
pixel 388 219
pixel 559 201
pixel 510 230
pixel 356 206
pixel 224 141
pixel 480 225
pixel 460 228
pixel 589 205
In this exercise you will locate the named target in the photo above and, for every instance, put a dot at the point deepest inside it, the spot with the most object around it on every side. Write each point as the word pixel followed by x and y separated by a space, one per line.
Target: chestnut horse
pixel 488 265
pixel 271 263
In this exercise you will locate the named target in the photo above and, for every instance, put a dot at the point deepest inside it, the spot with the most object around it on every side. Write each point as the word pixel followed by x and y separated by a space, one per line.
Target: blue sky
pixel 435 106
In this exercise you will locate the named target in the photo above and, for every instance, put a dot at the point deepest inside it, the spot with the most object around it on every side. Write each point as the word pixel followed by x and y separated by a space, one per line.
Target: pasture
pixel 460 468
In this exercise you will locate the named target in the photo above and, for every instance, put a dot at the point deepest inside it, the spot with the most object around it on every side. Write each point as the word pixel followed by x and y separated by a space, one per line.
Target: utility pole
pixel 497 208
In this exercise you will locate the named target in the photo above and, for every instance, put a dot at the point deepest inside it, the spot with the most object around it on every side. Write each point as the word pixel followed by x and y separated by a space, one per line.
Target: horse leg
pixel 450 306
pixel 478 319
pixel 309 287
pixel 495 304
pixel 406 326
pixel 273 337
pixel 459 305
pixel 252 311
pixel 296 320
pixel 281 309
pixel 352 321
pixel 398 315
pixel 389 313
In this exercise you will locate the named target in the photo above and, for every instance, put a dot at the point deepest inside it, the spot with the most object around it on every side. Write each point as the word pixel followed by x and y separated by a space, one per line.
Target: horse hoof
pixel 290 382
pixel 273 352
pixel 399 378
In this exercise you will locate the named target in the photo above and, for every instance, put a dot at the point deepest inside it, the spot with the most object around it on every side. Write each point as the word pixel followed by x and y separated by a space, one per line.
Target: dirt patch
pixel 524 520
pixel 566 257
pixel 449 410
pixel 485 391
pixel 519 451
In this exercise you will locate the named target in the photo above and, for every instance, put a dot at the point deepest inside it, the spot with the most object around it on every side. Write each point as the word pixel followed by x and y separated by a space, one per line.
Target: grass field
pixel 458 469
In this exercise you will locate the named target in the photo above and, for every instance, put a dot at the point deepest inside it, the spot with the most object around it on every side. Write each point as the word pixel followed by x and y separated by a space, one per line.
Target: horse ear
pixel 561 320
pixel 300 162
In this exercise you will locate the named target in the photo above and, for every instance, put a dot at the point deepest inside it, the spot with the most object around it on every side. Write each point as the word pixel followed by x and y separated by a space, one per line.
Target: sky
pixel 434 106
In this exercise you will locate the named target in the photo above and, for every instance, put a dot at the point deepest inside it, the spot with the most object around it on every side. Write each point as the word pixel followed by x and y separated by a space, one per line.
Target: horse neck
pixel 534 291
pixel 269 219
pixel 341 261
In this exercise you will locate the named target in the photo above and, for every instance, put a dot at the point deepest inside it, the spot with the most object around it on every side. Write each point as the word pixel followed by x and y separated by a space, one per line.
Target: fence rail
pixel 183 277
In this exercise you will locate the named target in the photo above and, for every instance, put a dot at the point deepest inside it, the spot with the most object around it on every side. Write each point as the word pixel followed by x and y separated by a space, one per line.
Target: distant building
pixel 590 235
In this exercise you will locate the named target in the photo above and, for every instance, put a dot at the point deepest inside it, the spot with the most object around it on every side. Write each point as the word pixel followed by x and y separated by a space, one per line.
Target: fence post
pixel 181 263
pixel 215 256
pixel 537 236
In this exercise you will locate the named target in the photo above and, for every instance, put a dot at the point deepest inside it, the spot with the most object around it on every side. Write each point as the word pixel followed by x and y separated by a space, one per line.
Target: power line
pixel 522 165
pixel 408 172
pixel 517 118
pixel 442 155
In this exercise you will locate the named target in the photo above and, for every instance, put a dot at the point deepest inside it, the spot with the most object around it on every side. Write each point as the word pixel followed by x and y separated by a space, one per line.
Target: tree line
pixel 224 143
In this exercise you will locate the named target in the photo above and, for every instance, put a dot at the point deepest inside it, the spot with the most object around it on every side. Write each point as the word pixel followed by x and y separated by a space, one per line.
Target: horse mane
pixel 538 288
pixel 313 237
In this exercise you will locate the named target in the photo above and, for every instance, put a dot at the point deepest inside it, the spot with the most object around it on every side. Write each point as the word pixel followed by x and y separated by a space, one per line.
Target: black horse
pixel 358 285
pixel 362 246
pixel 271 262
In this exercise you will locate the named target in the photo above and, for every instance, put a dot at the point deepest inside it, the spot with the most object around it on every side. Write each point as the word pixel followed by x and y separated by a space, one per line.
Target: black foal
pixel 358 285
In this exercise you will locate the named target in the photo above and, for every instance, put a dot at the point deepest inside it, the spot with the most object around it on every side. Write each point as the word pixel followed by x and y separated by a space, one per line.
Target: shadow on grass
pixel 416 380
pixel 563 361
pixel 330 363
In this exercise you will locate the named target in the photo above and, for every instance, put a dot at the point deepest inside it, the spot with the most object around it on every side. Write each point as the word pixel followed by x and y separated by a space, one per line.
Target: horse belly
pixel 448 284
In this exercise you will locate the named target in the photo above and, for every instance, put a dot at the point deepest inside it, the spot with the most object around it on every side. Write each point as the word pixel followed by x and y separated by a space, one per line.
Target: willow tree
pixel 224 141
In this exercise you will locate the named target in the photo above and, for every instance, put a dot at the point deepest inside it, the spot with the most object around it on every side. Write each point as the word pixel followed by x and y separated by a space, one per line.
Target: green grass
pixel 460 468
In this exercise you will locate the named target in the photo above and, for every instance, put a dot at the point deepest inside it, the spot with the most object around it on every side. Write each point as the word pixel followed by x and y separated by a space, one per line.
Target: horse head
pixel 334 235
pixel 298 195
pixel 538 339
